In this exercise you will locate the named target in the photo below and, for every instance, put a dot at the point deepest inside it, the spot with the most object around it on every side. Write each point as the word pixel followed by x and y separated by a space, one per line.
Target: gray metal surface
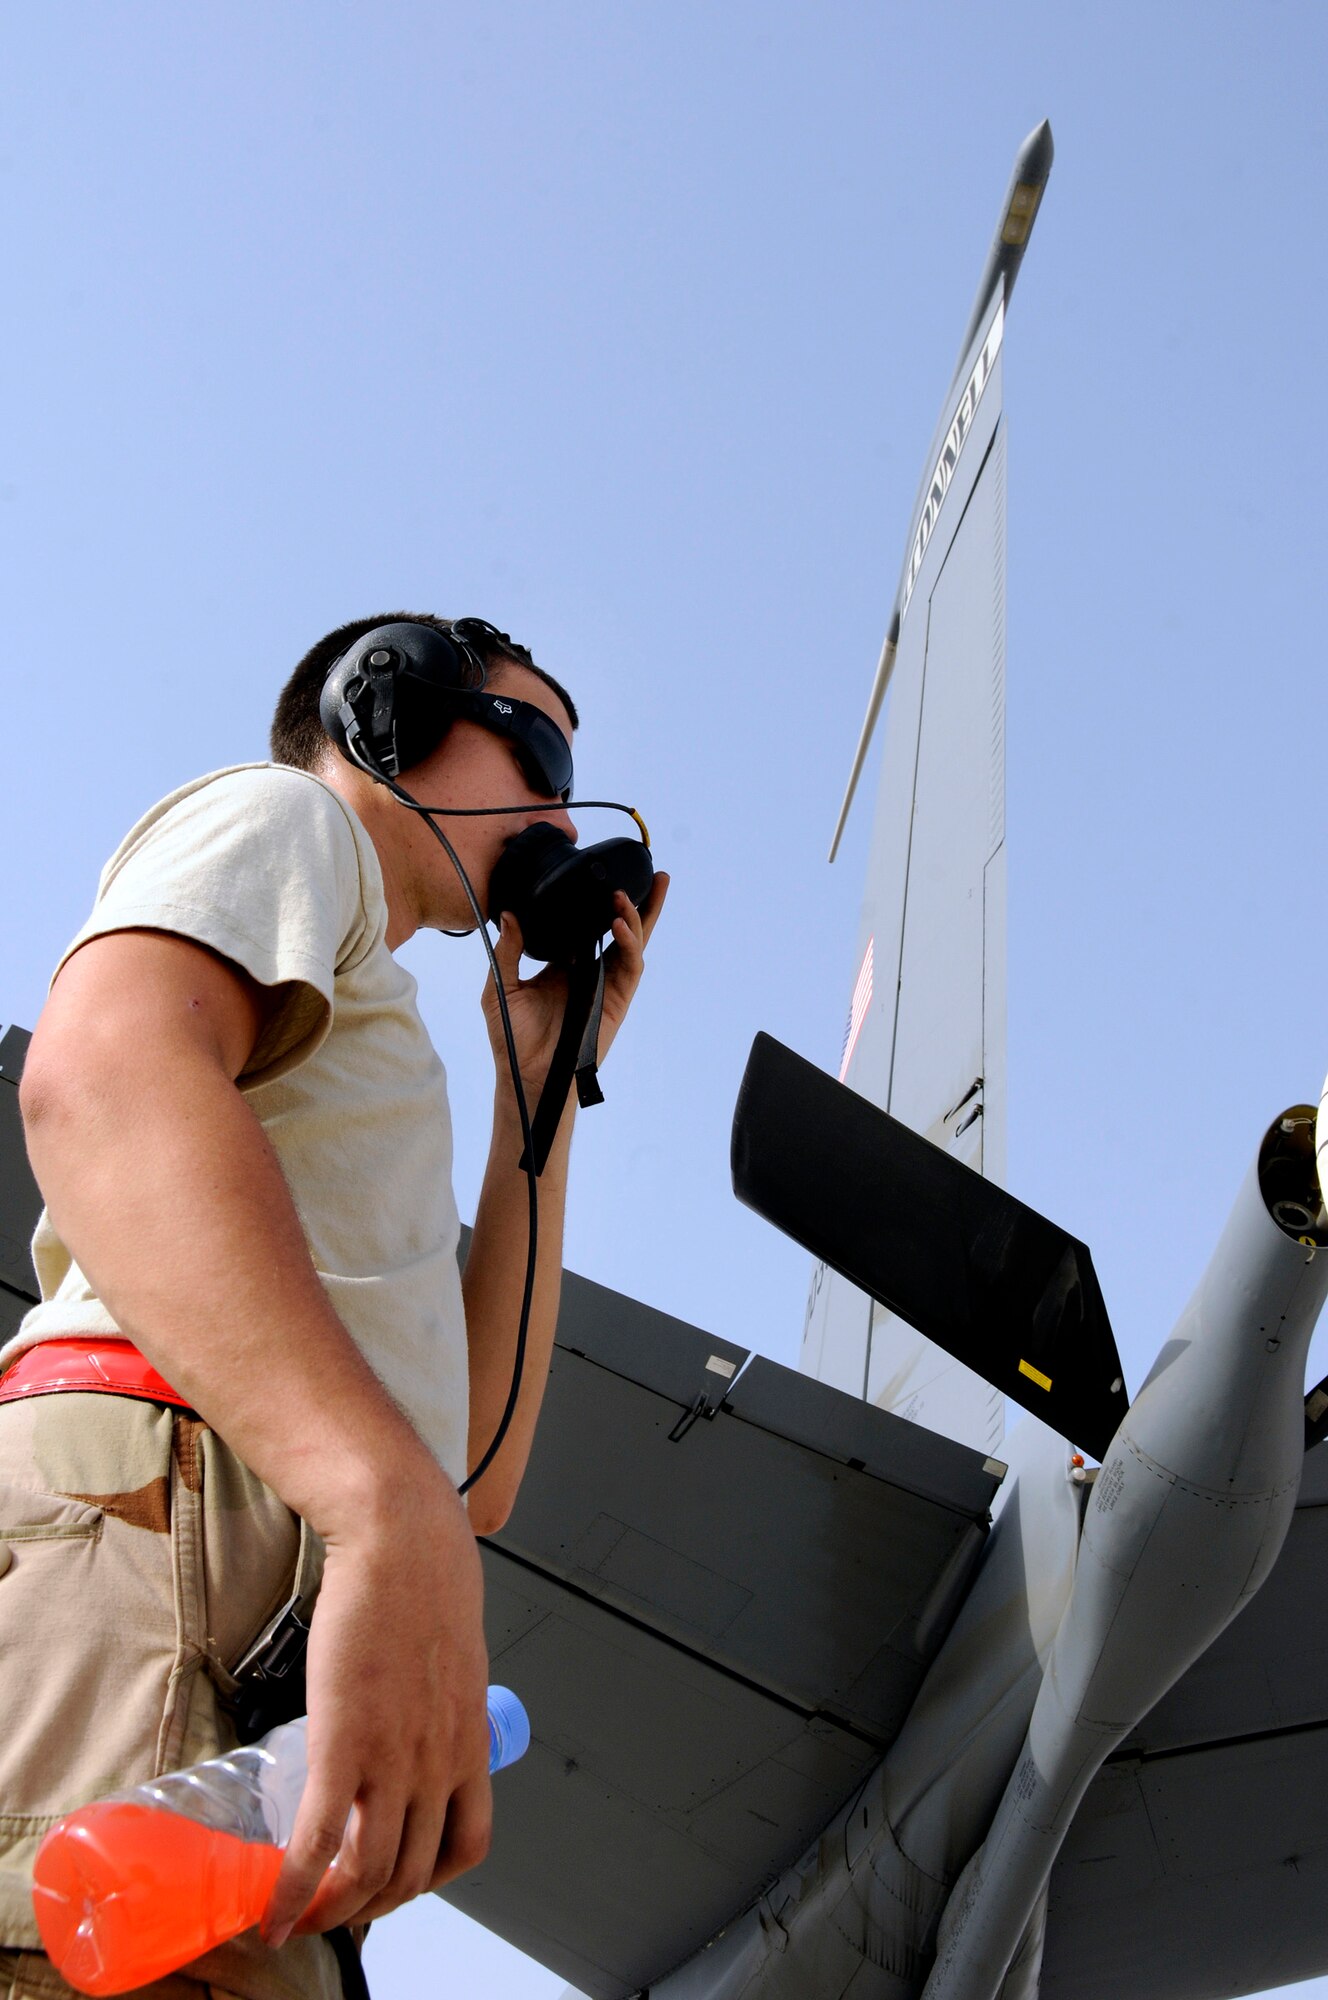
pixel 20 1202
pixel 1269 1670
pixel 947 1052
pixel 1199 1875
pixel 658 1794
pixel 1028 178
pixel 1014 225
pixel 1185 1523
pixel 1198 1863
pixel 953 949
pixel 940 712
pixel 931 1048
pixel 718 1612
pixel 929 965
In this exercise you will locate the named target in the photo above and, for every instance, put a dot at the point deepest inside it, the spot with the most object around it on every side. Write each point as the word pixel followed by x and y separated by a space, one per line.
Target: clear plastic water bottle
pixel 134 1886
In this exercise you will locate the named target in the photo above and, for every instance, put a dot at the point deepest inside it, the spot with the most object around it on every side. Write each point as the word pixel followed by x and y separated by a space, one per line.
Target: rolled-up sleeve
pixel 261 865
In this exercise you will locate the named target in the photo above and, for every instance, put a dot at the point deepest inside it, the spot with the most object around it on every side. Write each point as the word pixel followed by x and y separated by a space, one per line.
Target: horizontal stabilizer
pixel 991 1281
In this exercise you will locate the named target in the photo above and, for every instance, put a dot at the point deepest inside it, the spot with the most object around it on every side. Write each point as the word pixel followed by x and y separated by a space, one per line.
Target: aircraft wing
pixel 717 1595
pixel 1198 1862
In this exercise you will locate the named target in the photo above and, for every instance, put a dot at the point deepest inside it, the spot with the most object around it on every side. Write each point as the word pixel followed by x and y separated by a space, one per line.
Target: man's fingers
pixel 652 906
pixel 314 1844
pixel 467 1832
pixel 646 917
pixel 367 1864
pixel 628 930
pixel 509 947
pixel 632 927
pixel 507 951
pixel 417 1863
pixel 387 1856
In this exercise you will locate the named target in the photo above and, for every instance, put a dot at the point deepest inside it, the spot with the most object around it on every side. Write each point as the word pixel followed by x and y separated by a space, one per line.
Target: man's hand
pixel 397 1730
pixel 537 1005
pixel 168 1193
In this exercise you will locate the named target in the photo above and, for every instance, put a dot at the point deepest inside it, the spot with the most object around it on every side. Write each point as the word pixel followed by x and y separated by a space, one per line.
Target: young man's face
pixel 474 767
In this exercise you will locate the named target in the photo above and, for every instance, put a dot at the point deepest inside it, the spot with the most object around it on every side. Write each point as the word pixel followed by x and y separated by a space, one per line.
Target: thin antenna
pixel 884 668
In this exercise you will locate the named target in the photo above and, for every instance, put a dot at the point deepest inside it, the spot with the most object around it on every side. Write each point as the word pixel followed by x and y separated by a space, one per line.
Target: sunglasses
pixel 542 751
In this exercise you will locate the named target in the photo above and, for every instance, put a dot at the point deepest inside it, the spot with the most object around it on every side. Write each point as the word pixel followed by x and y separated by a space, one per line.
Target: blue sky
pixel 625 326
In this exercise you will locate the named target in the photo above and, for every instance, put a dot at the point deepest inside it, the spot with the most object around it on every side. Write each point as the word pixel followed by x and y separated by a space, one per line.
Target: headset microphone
pixel 562 895
pixel 564 898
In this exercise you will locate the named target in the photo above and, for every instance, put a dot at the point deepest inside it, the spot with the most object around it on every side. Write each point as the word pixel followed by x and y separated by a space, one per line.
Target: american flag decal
pixel 857 1012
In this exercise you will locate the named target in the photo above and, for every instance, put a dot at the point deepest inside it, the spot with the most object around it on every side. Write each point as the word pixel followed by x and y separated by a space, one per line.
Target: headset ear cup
pixel 401 705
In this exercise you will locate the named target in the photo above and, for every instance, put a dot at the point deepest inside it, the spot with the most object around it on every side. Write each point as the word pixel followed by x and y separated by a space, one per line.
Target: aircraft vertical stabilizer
pixel 925 1034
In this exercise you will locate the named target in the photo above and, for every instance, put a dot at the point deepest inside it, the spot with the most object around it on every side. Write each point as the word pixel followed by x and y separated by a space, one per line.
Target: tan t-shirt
pixel 271 868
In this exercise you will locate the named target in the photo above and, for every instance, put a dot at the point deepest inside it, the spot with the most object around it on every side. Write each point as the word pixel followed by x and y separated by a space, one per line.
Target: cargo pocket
pixel 27 1519
pixel 47 1548
pixel 89 1628
pixel 87 1634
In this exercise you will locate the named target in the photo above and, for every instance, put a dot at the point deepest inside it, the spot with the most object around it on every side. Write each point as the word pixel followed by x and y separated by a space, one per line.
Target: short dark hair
pixel 297 735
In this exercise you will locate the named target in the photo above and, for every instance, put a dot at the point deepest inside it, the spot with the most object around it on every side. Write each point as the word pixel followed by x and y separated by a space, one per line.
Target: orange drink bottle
pixel 132 1887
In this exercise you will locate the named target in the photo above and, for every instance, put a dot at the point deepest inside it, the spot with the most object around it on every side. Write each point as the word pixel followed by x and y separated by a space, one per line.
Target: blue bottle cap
pixel 509 1728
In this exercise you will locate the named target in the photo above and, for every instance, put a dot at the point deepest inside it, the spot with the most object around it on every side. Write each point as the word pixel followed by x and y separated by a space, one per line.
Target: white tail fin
pixel 925 1035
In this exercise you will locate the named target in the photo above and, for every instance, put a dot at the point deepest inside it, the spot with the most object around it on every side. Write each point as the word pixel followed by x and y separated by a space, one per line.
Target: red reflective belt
pixel 106 1366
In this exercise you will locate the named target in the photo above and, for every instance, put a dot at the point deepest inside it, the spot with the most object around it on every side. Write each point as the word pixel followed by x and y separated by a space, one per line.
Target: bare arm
pixel 165 1188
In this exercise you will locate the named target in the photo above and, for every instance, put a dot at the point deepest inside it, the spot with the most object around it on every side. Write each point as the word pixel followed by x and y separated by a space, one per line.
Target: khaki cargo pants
pixel 138 1560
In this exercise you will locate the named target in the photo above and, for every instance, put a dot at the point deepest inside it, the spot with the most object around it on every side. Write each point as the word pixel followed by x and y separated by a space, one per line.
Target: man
pixel 241 1134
